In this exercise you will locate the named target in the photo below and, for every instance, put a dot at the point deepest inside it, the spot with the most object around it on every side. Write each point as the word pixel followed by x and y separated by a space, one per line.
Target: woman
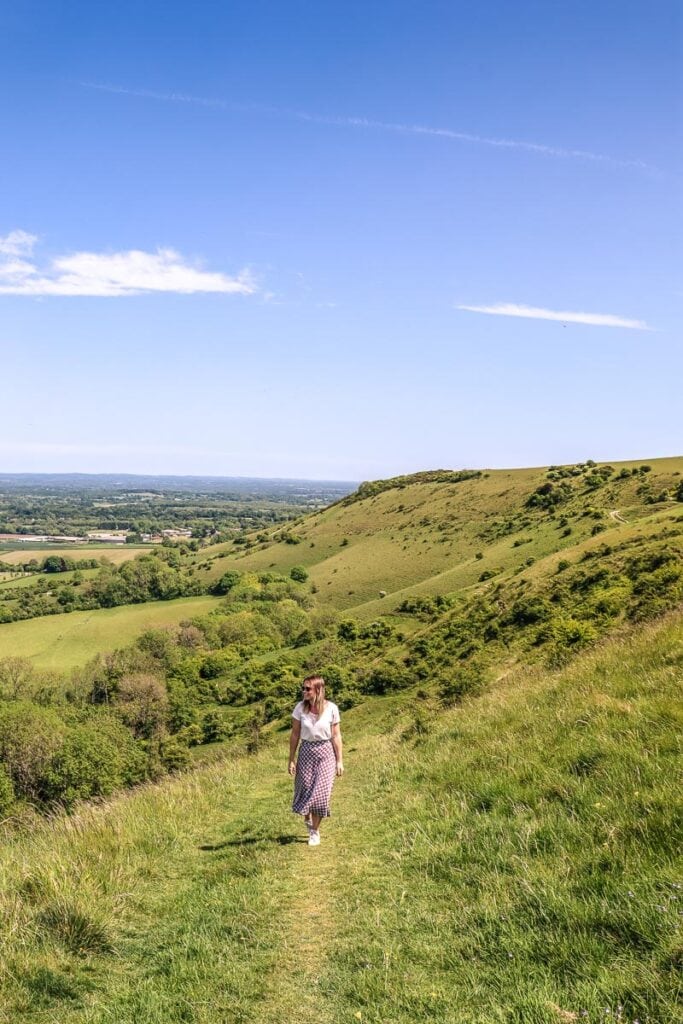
pixel 316 724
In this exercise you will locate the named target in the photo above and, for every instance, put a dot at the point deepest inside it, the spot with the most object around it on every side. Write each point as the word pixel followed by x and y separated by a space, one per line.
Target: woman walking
pixel 316 724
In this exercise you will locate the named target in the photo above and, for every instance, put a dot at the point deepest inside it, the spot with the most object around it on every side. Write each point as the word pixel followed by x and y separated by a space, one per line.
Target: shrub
pixel 528 611
pixel 386 679
pixel 214 728
pixel 218 664
pixel 91 762
pixel 30 736
pixel 465 680
pixel 348 630
pixel 227 581
pixel 298 573
pixel 549 495
pixel 567 636
pixel 174 754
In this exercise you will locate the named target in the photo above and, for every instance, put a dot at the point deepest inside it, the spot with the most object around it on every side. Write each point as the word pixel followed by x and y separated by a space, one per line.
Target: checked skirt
pixel 316 768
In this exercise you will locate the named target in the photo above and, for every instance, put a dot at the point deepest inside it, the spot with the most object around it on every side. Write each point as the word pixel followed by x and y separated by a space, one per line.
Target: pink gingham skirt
pixel 316 768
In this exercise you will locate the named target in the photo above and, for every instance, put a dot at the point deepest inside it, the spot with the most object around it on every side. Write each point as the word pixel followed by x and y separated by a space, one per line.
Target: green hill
pixel 509 859
pixel 422 533
pixel 506 649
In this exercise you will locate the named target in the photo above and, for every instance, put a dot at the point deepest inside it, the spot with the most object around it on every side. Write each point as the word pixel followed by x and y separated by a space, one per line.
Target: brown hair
pixel 316 702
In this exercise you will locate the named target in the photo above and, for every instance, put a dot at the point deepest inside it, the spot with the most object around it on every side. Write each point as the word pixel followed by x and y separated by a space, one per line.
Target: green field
pixel 115 553
pixel 62 642
pixel 514 859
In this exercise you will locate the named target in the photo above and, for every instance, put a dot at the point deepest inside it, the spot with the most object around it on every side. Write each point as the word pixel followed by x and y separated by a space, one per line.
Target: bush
pixel 567 635
pixel 30 736
pixel 92 762
pixel 527 611
pixel 298 573
pixel 214 728
pixel 348 630
pixel 386 678
pixel 218 664
pixel 466 680
pixel 227 581
pixel 174 754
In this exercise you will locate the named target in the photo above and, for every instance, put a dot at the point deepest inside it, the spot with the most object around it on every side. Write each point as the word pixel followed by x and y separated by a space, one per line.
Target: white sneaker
pixel 314 838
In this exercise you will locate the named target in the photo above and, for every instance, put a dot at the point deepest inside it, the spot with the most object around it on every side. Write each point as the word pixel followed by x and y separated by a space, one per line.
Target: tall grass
pixel 514 859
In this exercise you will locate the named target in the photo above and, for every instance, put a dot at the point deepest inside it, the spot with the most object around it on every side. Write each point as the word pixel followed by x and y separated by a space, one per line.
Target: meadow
pixel 62 642
pixel 507 649
pixel 114 553
pixel 512 859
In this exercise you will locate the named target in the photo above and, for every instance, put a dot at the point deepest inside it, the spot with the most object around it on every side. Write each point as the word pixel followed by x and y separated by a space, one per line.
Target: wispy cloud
pixel 368 124
pixel 17 243
pixel 564 316
pixel 108 275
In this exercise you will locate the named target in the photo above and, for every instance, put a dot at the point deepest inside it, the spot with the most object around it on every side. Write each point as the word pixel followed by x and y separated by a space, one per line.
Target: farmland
pixel 64 642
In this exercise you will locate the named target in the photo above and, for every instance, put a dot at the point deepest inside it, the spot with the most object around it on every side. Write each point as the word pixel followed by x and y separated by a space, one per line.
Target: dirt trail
pixel 616 514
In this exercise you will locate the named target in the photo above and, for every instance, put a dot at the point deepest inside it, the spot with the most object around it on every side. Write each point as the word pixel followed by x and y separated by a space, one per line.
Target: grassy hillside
pixel 62 642
pixel 429 535
pixel 419 535
pixel 511 859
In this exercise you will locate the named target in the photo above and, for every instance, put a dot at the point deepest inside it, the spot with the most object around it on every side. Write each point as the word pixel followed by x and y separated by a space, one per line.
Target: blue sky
pixel 338 241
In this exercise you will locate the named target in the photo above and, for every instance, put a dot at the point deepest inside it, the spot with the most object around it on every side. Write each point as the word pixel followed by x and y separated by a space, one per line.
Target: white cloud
pixel 565 316
pixel 17 243
pixel 133 272
pixel 541 149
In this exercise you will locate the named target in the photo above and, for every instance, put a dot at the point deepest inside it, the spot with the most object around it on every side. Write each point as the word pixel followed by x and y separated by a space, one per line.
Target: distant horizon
pixel 324 480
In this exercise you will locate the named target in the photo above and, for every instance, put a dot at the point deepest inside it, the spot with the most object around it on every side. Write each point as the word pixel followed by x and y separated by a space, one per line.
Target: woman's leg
pixel 315 821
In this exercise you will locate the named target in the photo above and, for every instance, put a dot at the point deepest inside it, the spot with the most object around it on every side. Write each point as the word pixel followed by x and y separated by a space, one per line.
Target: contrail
pixel 363 123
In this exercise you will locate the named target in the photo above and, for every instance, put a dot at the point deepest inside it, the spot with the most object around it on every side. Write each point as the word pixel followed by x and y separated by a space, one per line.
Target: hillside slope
pixel 429 534
pixel 511 859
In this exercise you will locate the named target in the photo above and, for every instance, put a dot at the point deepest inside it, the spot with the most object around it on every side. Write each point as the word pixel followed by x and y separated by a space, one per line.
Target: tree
pixel 142 702
pixel 298 573
pixel 227 581
pixel 15 676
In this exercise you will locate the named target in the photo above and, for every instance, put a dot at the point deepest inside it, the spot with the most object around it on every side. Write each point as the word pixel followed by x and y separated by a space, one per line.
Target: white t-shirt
pixel 314 727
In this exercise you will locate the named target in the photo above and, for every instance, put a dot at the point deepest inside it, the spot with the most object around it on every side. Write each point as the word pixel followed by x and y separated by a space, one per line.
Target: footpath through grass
pixel 511 860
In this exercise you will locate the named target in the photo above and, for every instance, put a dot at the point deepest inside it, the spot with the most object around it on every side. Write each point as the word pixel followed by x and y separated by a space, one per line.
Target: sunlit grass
pixel 511 859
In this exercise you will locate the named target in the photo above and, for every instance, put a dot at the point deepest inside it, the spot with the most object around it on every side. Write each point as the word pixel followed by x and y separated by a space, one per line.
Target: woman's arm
pixel 337 744
pixel 293 744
